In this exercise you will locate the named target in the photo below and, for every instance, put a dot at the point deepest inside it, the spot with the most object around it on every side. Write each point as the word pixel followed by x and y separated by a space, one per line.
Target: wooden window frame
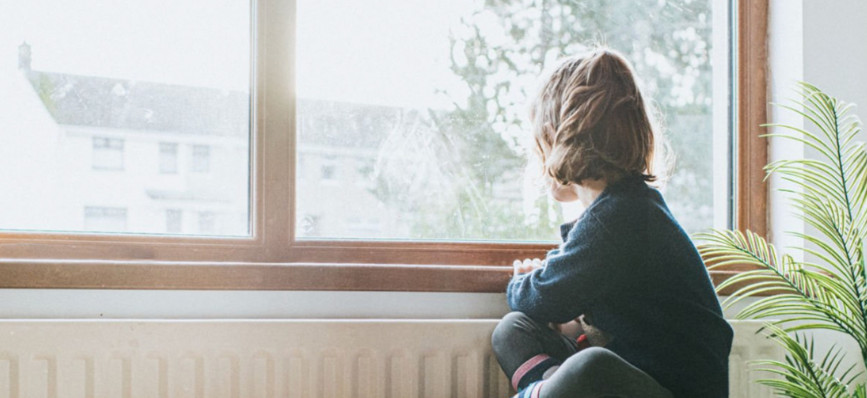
pixel 272 259
pixel 751 105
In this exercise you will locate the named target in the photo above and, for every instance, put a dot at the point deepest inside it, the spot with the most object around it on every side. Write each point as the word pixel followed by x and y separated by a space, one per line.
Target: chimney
pixel 24 57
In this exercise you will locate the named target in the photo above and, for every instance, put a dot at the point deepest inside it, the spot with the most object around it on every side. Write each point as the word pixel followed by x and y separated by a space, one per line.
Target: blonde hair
pixel 590 121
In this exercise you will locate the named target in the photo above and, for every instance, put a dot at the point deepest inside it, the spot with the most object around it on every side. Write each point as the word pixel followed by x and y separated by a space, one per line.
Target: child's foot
pixel 532 391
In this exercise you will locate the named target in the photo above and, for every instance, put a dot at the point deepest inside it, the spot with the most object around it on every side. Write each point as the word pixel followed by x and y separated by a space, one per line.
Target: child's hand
pixel 595 336
pixel 572 329
pixel 528 265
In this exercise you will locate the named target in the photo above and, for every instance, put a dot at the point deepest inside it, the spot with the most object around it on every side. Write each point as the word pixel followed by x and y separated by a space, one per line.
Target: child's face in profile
pixel 562 193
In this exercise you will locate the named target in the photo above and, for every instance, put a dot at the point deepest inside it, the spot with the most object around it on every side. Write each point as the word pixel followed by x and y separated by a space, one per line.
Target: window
pixel 328 173
pixel 107 153
pixel 102 219
pixel 168 158
pixel 301 166
pixel 311 224
pixel 207 224
pixel 174 220
pixel 201 159
pixel 383 234
pixel 366 226
pixel 126 104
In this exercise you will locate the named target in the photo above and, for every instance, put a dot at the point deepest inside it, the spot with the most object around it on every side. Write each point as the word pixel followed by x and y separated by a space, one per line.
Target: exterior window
pixel 131 103
pixel 107 153
pixel 168 158
pixel 328 173
pixel 207 223
pixel 311 224
pixel 104 219
pixel 201 159
pixel 301 165
pixel 174 220
pixel 370 226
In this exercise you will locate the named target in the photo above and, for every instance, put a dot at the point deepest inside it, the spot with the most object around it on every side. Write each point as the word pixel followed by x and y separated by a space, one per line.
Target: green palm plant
pixel 830 290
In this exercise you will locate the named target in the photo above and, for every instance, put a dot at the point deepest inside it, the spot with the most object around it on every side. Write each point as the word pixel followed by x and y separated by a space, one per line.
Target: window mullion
pixel 273 157
pixel 752 57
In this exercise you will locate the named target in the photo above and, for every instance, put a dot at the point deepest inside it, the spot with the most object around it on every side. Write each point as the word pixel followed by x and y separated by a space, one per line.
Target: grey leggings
pixel 593 372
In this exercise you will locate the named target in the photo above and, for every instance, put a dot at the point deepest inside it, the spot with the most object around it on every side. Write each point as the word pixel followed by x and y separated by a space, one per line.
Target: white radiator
pixel 295 358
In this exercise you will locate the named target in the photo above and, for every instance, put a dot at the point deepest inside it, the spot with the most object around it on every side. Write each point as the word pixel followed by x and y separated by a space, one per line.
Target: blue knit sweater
pixel 629 265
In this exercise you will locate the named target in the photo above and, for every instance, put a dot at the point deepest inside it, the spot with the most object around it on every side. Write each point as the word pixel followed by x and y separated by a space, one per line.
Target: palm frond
pixel 800 295
pixel 800 375
pixel 838 174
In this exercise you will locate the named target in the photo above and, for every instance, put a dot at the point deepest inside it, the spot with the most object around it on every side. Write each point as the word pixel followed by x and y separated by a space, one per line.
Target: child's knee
pixel 590 367
pixel 599 357
pixel 505 330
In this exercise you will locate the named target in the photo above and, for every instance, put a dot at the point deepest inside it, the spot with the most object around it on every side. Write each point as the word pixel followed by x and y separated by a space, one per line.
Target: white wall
pixel 176 304
pixel 835 55
pixel 786 66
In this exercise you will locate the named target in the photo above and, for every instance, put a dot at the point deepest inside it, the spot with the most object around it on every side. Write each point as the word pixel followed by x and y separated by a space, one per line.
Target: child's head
pixel 590 122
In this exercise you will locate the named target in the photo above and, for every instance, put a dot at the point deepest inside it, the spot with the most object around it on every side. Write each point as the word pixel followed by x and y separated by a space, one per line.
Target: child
pixel 626 261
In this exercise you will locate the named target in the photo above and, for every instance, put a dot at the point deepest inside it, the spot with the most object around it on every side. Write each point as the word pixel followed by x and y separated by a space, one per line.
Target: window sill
pixel 72 274
pixel 75 274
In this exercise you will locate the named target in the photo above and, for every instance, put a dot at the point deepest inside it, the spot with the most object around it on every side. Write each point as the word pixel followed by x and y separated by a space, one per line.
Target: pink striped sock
pixel 532 370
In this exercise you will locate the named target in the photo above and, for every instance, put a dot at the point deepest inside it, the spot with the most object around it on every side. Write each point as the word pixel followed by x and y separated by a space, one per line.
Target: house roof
pixel 147 106
pixel 134 105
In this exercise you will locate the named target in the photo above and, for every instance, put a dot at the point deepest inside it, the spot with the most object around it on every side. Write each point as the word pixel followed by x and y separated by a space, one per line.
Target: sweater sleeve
pixel 580 272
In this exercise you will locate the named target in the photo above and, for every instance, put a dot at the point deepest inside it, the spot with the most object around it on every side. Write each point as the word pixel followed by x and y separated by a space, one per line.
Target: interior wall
pixel 835 56
pixel 181 304
pixel 785 68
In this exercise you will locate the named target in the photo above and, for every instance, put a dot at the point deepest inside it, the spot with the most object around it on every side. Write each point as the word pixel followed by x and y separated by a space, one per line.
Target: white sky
pixel 388 51
pixel 377 51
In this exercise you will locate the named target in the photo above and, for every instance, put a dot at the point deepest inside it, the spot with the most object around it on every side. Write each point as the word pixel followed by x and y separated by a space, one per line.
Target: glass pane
pixel 412 119
pixel 125 116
